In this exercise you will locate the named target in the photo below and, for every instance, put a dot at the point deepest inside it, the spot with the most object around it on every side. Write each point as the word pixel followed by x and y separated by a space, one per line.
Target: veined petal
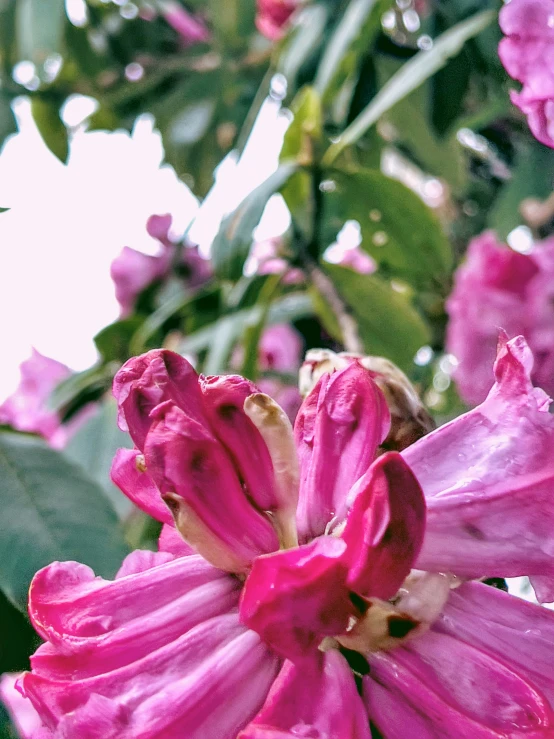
pixel 487 477
pixel 337 431
pixel 295 597
pixel 153 378
pixel 317 698
pixel 132 479
pixel 223 399
pixel 445 687
pixel 385 527
pixel 198 480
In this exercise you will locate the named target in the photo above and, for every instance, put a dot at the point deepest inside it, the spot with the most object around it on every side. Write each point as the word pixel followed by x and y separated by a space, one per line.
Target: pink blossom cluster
pixel 527 53
pixel 497 288
pixel 304 586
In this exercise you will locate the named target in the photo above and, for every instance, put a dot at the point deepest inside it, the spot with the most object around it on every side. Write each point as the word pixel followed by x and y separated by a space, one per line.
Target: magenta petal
pixel 21 710
pixel 280 348
pixel 337 432
pixel 295 597
pixel 171 541
pixel 138 486
pixel 317 698
pixel 487 477
pixel 385 527
pixel 153 378
pixel 224 404
pixel 455 690
pixel 132 272
pixel 196 477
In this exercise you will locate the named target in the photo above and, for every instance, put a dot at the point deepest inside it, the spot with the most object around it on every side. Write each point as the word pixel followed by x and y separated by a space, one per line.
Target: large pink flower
pixel 527 53
pixel 261 637
pixel 498 288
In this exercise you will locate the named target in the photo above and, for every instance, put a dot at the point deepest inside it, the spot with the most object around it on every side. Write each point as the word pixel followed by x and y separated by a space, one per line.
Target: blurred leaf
pixel 82 388
pixel 303 42
pixel 51 128
pixel 411 75
pixel 4 210
pixel 532 176
pixel 399 231
pixel 114 340
pixel 225 334
pixel 388 324
pixel 253 333
pixel 40 26
pixel 50 511
pixel 93 448
pixel 7 122
pixel 232 243
pixel 233 20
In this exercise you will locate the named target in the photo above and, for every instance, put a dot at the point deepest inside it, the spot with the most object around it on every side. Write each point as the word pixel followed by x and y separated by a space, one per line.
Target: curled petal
pixel 153 378
pixel 487 477
pixel 130 476
pixel 385 527
pixel 317 698
pixel 337 431
pixel 440 683
pixel 295 597
pixel 198 481
pixel 224 399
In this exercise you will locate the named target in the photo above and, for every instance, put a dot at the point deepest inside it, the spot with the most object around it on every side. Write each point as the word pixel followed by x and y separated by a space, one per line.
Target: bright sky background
pixel 67 223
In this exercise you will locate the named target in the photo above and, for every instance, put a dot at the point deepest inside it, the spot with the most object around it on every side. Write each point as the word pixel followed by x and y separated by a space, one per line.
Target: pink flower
pixel 498 288
pixel 273 15
pixel 281 348
pixel 191 29
pixel 21 711
pixel 261 640
pixel 27 409
pixel 527 53
pixel 132 271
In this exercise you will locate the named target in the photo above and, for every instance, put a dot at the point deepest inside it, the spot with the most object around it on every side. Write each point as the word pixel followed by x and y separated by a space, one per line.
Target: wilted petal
pixel 441 686
pixel 385 527
pixel 337 431
pixel 295 597
pixel 130 476
pixel 224 399
pixel 196 478
pixel 148 380
pixel 317 698
pixel 488 477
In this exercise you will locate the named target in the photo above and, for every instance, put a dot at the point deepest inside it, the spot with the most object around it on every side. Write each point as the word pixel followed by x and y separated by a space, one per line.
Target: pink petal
pixel 132 272
pixel 338 429
pixel 487 477
pixel 196 477
pixel 158 227
pixel 171 541
pixel 281 348
pixel 21 711
pixel 286 396
pixel 224 399
pixel 146 381
pixel 295 597
pixel 317 698
pixel 192 30
pixel 138 486
pixel 446 687
pixel 385 527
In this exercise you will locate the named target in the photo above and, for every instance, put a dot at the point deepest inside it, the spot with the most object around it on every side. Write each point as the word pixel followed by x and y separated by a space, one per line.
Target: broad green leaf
pixel 40 27
pixel 81 388
pixel 51 128
pixel 113 341
pixel 412 74
pixel 50 511
pixel 399 231
pixel 388 324
pixel 93 447
pixel 232 243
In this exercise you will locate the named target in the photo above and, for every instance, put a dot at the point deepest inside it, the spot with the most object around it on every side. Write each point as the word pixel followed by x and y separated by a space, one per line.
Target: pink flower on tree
pixel 273 15
pixel 497 288
pixel 132 271
pixel 306 546
pixel 527 53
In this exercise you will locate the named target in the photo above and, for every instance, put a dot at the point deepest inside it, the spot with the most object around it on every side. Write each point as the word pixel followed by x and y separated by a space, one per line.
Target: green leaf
pixel 411 75
pixel 399 231
pixel 303 41
pixel 389 326
pixel 113 341
pixel 7 121
pixel 232 243
pixel 81 388
pixel 305 129
pixel 40 26
pixel 50 511
pixel 93 448
pixel 51 128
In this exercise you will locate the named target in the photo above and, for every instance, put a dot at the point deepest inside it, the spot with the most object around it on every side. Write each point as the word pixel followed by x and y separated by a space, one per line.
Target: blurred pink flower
pixel 27 409
pixel 273 16
pixel 281 349
pixel 191 28
pixel 498 288
pixel 132 271
pixel 527 53
pixel 179 645
pixel 21 711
